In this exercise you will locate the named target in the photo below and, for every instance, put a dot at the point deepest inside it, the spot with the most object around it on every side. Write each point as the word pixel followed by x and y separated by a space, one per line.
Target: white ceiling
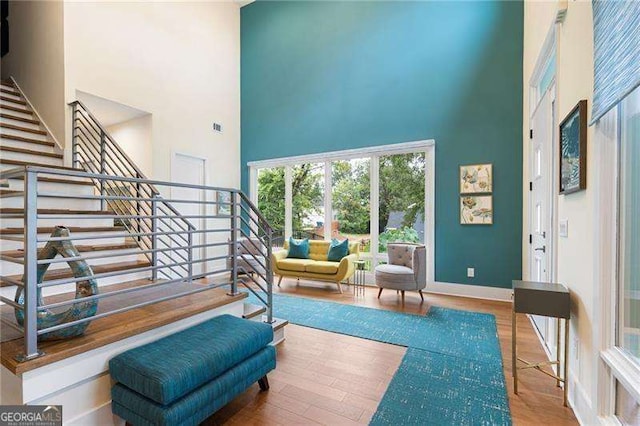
pixel 109 112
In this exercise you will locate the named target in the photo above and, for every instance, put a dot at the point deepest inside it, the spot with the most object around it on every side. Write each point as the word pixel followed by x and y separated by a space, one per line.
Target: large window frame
pixel 617 366
pixel 373 154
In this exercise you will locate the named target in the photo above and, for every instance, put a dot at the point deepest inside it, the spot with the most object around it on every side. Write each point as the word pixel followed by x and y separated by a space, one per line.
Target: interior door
pixel 191 170
pixel 541 193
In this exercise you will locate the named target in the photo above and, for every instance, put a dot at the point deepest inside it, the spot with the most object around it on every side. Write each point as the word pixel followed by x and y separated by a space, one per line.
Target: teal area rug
pixel 451 374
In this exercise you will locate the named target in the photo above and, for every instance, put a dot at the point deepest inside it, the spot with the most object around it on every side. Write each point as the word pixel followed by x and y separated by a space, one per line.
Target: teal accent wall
pixel 326 76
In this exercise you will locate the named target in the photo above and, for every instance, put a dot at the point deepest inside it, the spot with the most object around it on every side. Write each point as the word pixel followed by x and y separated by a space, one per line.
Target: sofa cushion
pixel 174 366
pixel 297 265
pixel 395 276
pixel 322 267
pixel 338 250
pixel 298 249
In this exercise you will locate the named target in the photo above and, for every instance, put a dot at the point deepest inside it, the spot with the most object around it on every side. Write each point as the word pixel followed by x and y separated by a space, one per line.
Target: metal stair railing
pixel 222 220
pixel 94 150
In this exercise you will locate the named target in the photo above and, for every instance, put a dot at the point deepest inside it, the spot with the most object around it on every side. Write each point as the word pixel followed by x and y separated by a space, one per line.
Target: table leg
pixel 566 362
pixel 558 367
pixel 514 353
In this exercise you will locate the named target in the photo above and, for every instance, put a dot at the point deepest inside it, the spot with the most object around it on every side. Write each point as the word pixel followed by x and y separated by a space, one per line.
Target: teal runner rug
pixel 451 374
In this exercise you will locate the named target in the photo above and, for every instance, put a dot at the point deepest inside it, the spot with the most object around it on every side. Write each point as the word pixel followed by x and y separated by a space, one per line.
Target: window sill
pixel 624 369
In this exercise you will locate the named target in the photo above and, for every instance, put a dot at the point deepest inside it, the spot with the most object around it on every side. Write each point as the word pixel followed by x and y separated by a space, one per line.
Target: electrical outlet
pixel 217 127
pixel 576 348
pixel 563 228
pixel 471 272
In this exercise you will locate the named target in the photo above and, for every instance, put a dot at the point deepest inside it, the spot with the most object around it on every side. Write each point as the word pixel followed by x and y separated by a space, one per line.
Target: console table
pixel 545 299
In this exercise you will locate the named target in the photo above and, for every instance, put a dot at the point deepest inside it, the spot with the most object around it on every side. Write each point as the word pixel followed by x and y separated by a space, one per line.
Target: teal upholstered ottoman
pixel 183 378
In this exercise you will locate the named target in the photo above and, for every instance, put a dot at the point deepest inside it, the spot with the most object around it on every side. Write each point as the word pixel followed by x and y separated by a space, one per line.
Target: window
pixel 629 228
pixel 372 196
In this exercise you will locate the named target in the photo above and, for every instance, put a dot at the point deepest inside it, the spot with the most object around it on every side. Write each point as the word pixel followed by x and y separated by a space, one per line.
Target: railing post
pixel 269 275
pixel 30 267
pixel 74 137
pixel 139 219
pixel 234 245
pixel 154 238
pixel 190 252
pixel 102 167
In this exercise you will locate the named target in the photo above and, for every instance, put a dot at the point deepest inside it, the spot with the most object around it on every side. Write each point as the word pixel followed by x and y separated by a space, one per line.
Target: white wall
pixel 135 139
pixel 575 254
pixel 36 58
pixel 178 61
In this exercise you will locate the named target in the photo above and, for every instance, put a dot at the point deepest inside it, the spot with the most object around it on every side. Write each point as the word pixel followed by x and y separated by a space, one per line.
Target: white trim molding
pixel 472 291
pixel 391 149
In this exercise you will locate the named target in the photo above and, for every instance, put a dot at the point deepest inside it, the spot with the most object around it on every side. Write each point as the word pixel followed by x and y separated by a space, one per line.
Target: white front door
pixel 191 170
pixel 541 193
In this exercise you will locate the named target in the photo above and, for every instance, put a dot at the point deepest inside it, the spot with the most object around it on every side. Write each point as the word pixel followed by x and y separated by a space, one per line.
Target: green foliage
pixel 306 191
pixel 401 187
pixel 351 201
pixel 406 234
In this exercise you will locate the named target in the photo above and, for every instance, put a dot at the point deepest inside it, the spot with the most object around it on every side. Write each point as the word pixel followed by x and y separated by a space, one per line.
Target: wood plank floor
pixel 327 378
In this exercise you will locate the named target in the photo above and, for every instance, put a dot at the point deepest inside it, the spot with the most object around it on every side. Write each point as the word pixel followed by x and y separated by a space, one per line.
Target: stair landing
pixel 113 328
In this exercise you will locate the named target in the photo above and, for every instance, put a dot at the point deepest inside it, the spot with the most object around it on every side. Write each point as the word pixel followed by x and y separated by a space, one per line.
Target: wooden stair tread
pixel 30 152
pixel 22 110
pixel 278 323
pixel 15 117
pixel 252 311
pixel 50 229
pixel 28 140
pixel 15 101
pixel 23 129
pixel 19 254
pixel 18 210
pixel 5 82
pixel 56 274
pixel 4 193
pixel 59 180
pixel 13 91
pixel 113 328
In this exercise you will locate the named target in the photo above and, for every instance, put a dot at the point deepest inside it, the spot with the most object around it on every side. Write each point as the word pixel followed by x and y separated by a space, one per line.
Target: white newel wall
pixel 576 252
pixel 178 61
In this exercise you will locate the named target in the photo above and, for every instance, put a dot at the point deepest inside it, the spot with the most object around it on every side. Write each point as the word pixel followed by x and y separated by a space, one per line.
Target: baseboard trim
pixel 469 290
pixel 580 402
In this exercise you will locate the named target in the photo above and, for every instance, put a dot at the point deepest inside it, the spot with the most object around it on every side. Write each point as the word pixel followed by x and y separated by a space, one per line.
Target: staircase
pixel 135 241
pixel 25 141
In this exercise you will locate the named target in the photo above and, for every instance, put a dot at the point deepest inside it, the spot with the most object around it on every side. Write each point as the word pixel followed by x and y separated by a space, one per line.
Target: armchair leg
pixel 264 383
pixel 402 293
pixel 339 287
pixel 421 295
pixel 279 280
pixel 379 292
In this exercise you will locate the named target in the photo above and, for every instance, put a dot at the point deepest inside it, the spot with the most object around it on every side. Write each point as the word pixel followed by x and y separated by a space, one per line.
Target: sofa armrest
pixel 347 267
pixel 277 255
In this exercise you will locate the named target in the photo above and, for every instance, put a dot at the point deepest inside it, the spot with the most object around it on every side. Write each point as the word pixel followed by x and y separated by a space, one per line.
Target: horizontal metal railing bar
pixel 264 302
pixel 12 325
pixel 83 174
pixel 10 238
pixel 87 114
pixel 129 234
pixel 115 216
pixel 128 308
pixel 127 290
pixel 11 303
pixel 96 153
pixel 249 225
pixel 11 281
pixel 254 208
pixel 244 271
pixel 60 281
pixel 129 198
pixel 127 252
pixel 259 264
